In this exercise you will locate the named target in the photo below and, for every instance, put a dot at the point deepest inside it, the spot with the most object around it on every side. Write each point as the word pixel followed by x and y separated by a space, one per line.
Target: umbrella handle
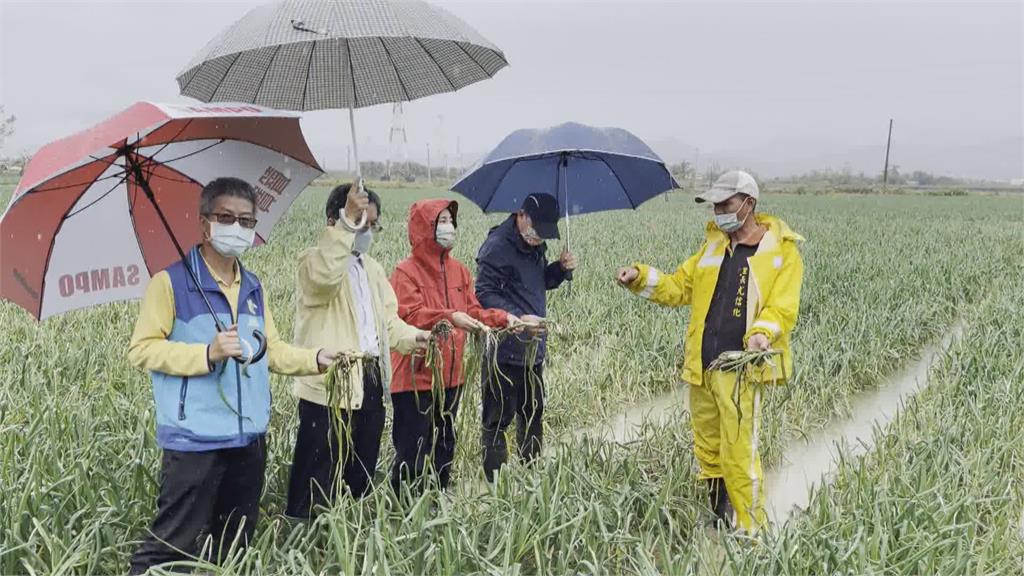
pixel 261 349
pixel 354 225
pixel 362 216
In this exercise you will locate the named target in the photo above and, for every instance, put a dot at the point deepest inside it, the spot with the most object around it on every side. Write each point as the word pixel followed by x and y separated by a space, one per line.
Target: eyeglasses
pixel 229 219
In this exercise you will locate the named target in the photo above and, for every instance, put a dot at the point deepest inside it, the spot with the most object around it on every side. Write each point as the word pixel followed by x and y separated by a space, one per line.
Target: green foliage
pixel 884 277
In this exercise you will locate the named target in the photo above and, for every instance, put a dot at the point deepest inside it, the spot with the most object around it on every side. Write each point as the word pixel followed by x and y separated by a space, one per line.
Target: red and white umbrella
pixel 97 213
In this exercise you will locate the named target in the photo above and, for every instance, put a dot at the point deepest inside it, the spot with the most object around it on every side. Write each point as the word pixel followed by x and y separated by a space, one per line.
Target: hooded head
pixel 423 216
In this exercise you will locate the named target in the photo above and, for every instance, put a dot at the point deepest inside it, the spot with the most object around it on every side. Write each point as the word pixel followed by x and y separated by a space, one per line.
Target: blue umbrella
pixel 586 169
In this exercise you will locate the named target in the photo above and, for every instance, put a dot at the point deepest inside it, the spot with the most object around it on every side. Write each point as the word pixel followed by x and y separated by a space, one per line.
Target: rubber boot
pixel 720 504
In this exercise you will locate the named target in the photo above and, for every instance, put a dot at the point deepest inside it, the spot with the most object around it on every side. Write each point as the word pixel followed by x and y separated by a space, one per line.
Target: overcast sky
pixel 773 85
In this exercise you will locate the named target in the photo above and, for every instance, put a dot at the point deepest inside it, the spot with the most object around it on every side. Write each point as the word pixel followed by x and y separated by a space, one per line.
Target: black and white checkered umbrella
pixel 317 54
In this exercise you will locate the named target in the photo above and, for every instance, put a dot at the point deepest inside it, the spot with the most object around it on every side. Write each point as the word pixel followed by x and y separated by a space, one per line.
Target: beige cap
pixel 728 185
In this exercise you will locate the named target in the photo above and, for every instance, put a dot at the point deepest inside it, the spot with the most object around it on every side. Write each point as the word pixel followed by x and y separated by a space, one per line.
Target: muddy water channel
pixel 807 463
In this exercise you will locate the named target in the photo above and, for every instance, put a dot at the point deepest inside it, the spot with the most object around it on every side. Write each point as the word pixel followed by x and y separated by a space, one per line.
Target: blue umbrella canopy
pixel 587 169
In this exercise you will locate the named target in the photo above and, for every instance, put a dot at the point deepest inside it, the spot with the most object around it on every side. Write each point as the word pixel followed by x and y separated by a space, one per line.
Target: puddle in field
pixel 807 464
pixel 628 426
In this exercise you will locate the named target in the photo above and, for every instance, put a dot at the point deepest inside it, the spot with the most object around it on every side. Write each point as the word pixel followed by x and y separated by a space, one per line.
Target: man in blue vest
pixel 211 412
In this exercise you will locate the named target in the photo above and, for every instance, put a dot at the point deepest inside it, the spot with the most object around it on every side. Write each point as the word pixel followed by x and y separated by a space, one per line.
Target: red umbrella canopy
pixel 84 224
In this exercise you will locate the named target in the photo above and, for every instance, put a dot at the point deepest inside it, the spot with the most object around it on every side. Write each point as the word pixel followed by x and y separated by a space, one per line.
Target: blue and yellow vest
pixel 226 408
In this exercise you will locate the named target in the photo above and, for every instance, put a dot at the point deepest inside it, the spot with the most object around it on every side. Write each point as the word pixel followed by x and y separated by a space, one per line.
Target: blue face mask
pixel 730 222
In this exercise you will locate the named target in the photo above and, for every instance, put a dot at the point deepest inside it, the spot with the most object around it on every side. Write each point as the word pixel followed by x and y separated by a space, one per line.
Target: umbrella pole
pixel 563 166
pixel 140 178
pixel 355 143
pixel 359 171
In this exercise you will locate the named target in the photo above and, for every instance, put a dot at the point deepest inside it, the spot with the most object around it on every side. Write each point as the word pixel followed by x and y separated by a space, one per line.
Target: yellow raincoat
pixel 772 302
pixel 726 420
pixel 325 313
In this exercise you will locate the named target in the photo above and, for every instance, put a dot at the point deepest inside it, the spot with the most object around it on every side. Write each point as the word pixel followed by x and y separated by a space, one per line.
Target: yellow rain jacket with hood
pixel 725 412
pixel 773 300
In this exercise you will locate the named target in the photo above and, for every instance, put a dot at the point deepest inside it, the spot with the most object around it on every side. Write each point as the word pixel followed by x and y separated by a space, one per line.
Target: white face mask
pixel 532 238
pixel 730 222
pixel 231 240
pixel 445 235
pixel 362 242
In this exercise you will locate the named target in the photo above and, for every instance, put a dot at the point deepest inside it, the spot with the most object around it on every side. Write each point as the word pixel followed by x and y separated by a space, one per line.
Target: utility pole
pixel 428 165
pixel 696 161
pixel 397 138
pixel 885 171
pixel 442 144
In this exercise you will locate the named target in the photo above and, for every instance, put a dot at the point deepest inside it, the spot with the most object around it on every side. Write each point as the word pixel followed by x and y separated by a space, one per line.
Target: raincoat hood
pixel 422 231
pixel 432 286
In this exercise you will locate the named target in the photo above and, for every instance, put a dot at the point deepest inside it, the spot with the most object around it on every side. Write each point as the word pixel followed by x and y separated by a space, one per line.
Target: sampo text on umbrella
pixel 99 279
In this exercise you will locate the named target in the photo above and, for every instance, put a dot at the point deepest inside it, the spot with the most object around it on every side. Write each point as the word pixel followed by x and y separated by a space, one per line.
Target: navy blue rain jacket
pixel 514 276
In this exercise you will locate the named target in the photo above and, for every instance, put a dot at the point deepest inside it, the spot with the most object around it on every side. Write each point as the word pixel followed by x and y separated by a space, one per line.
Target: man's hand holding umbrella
pixel 356 203
pixel 567 260
pixel 225 345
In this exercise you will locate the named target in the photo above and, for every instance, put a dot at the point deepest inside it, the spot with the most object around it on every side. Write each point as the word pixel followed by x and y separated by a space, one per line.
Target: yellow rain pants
pixel 726 423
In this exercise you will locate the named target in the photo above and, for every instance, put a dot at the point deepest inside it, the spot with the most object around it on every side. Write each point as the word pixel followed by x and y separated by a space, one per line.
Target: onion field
pixel 939 490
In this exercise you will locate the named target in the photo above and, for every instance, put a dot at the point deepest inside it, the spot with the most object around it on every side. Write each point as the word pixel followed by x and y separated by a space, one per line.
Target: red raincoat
pixel 431 286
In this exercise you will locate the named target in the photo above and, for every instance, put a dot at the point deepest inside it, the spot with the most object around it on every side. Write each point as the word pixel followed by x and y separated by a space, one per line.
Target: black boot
pixel 720 504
